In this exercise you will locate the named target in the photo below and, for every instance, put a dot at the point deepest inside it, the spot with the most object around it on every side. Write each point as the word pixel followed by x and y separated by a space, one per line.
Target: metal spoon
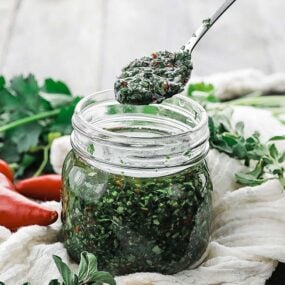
pixel 207 24
pixel 152 79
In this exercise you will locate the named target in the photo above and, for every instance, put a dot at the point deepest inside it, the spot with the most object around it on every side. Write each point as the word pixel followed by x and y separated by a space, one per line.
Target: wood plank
pixel 238 41
pixel 7 15
pixel 58 38
pixel 86 44
pixel 235 42
pixel 274 23
pixel 135 28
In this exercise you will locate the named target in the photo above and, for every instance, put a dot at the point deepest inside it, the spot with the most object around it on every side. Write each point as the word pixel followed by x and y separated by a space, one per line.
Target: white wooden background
pixel 86 42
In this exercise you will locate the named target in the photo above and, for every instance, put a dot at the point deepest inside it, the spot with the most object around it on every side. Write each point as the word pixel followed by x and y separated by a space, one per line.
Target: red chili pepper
pixel 6 182
pixel 6 170
pixel 154 55
pixel 17 211
pixel 45 187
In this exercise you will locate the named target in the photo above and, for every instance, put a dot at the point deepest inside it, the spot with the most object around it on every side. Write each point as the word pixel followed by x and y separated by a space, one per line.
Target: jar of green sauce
pixel 136 187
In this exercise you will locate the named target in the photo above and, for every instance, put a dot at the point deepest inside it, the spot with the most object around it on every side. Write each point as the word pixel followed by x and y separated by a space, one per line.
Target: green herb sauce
pixel 151 79
pixel 159 224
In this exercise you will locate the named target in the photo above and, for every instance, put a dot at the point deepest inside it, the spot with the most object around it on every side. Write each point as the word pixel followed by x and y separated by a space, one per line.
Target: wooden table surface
pixel 86 42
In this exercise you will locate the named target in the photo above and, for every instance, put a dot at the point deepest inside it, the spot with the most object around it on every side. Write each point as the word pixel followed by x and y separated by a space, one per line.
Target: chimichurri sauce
pixel 152 79
pixel 134 224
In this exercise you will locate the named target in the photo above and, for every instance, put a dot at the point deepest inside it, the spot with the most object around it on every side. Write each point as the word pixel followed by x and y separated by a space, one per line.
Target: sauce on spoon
pixel 154 78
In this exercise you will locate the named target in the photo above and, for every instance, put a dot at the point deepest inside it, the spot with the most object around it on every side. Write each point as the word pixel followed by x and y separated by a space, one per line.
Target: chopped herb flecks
pixel 159 224
pixel 152 79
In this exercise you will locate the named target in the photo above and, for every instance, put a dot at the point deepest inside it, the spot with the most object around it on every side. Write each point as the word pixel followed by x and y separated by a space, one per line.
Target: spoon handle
pixel 207 24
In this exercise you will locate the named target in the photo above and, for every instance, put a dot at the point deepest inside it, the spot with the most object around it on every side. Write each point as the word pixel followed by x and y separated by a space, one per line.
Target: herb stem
pixel 260 101
pixel 30 119
pixel 44 162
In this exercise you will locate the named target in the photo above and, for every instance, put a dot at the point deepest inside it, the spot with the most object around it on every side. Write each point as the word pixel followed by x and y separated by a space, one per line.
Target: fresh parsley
pixel 32 114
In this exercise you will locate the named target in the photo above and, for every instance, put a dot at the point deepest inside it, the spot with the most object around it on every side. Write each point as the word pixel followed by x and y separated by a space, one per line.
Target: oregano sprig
pixel 264 160
pixel 87 274
pixel 268 161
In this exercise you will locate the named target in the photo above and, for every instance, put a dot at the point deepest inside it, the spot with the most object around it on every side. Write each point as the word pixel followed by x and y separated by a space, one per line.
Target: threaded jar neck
pixel 130 139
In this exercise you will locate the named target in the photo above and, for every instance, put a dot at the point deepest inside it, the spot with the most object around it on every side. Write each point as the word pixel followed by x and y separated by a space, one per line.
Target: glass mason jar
pixel 136 187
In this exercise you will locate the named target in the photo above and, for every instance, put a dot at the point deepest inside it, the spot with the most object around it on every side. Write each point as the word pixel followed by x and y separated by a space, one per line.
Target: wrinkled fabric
pixel 247 237
pixel 236 83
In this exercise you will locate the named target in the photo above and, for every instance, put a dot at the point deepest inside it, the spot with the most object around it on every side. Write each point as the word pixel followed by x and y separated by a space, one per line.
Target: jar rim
pixel 78 118
pixel 166 136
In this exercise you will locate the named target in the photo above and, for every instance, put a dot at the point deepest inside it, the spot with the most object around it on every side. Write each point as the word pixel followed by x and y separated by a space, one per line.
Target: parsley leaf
pixel 56 87
pixel 202 92
pixel 29 112
pixel 2 82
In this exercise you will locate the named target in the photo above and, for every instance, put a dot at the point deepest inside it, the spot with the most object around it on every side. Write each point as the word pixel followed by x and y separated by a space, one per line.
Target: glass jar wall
pixel 137 191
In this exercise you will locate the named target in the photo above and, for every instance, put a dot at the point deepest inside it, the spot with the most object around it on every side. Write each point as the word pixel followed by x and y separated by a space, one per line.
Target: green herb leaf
pixel 201 86
pixel 277 138
pixel 203 93
pixel 25 137
pixel 26 162
pixel 230 139
pixel 282 157
pixel 91 149
pixel 248 179
pixel 68 277
pixel 54 282
pixel 239 128
pixel 27 91
pixel 102 277
pixel 56 100
pixel 273 151
pixel 2 82
pixel 62 122
pixel 56 93
pixel 9 152
pixel 29 112
pixel 87 267
pixel 56 87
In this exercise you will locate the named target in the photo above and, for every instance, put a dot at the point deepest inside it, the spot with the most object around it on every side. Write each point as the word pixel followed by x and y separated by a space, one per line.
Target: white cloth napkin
pixel 247 238
pixel 241 82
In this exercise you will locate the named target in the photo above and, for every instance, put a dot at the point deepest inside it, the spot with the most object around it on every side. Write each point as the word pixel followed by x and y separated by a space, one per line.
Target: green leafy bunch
pixel 87 274
pixel 32 115
pixel 268 161
pixel 264 160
